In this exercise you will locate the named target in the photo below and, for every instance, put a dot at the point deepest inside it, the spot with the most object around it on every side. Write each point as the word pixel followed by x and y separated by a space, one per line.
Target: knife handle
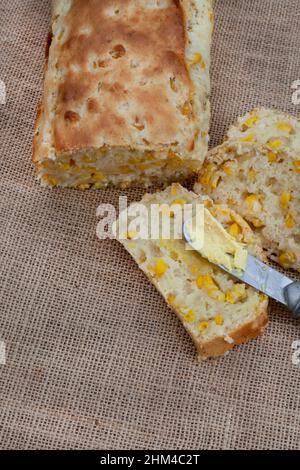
pixel 292 297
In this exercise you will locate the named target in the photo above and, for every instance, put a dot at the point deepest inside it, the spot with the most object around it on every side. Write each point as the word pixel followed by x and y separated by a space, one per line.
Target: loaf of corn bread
pixel 256 172
pixel 125 94
pixel 218 311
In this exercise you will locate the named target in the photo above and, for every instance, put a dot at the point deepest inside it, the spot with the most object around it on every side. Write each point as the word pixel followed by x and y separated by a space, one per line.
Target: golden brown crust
pixel 35 142
pixel 153 39
pixel 40 108
pixel 219 346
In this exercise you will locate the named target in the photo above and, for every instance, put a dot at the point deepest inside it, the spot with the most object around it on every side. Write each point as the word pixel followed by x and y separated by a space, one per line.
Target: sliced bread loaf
pixel 217 311
pixel 256 172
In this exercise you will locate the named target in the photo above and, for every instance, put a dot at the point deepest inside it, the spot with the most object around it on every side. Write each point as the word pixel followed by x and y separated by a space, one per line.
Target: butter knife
pixel 263 278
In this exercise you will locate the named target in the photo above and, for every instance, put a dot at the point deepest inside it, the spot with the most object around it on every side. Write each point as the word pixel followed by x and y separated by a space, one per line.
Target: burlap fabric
pixel 94 358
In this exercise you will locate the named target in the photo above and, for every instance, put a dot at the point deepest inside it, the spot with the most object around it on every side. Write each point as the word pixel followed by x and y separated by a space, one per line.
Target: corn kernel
pixel 257 223
pixel 275 143
pixel 248 138
pixel 203 325
pixel 229 297
pixel 235 230
pixel 51 180
pixel 131 234
pixel 174 190
pixel 84 186
pixel 290 221
pixel 252 174
pixel 205 178
pixel 237 293
pixel 263 297
pixel 214 182
pixel 160 268
pixel 200 281
pixel 272 157
pixel 171 299
pixel 296 164
pixel 227 168
pixel 98 176
pixel 207 203
pixel 219 320
pixel 284 126
pixel 285 199
pixel 190 316
pixel 142 258
pixel 198 59
pixel 250 200
pixel 186 109
pixel 287 259
pixel 205 281
pixel 231 201
pixel 208 281
pixel 180 202
pixel 251 121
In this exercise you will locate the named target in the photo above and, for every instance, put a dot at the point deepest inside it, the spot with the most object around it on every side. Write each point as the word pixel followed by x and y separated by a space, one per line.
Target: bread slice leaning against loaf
pixel 256 172
pixel 217 311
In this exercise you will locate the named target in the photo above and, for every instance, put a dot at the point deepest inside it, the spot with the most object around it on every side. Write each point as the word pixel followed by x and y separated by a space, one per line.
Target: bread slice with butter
pixel 218 311
pixel 126 93
pixel 256 172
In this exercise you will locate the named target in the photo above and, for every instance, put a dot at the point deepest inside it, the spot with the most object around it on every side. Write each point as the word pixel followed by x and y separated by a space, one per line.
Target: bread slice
pixel 256 172
pixel 125 94
pixel 217 311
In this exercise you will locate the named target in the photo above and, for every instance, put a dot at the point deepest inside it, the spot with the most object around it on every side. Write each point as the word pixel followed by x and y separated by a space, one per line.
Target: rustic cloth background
pixel 95 359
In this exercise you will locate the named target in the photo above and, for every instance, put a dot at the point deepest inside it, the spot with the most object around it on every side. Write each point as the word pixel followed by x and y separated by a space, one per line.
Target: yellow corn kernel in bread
pixel 219 319
pixel 159 268
pixel 287 259
pixel 284 126
pixel 272 157
pixel 296 165
pixel 203 325
pixel 290 221
pixel 248 138
pixel 275 144
pixel 251 121
pixel 235 230
pixel 285 199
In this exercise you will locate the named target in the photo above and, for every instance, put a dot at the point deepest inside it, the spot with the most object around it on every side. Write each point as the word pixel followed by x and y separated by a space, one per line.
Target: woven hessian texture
pixel 94 358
